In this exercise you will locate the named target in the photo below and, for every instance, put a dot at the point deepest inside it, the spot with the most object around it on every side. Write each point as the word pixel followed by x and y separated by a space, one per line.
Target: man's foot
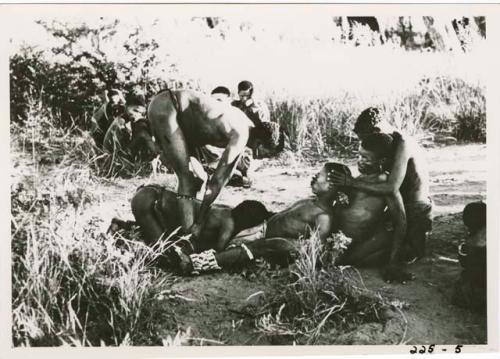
pixel 180 261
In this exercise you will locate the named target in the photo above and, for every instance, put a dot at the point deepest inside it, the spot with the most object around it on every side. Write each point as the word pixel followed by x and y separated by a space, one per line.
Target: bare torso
pixel 363 214
pixel 203 120
pixel 295 221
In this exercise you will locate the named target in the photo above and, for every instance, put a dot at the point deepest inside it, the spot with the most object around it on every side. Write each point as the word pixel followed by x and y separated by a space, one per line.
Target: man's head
pixel 374 151
pixel 321 183
pixel 249 214
pixel 370 121
pixel 136 106
pixel 116 102
pixel 474 216
pixel 268 138
pixel 221 93
pixel 245 90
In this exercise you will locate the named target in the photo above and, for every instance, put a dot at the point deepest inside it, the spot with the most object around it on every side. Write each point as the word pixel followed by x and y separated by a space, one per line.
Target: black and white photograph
pixel 249 175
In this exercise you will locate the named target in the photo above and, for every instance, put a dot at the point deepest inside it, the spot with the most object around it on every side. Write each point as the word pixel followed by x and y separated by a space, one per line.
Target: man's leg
pixel 278 251
pixel 372 252
pixel 174 149
pixel 418 226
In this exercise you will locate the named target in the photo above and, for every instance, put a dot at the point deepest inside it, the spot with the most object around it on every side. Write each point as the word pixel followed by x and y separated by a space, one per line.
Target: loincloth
pixel 250 234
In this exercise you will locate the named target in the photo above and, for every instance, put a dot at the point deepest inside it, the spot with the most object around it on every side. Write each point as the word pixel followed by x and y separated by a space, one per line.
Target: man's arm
pixel 398 217
pixel 323 224
pixel 393 183
pixel 227 163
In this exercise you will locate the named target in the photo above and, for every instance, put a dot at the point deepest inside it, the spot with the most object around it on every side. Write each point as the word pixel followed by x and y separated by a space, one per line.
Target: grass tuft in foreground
pixel 318 301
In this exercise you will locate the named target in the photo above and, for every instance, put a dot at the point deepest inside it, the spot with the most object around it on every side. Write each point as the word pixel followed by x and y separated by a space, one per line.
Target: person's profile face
pixel 368 163
pixel 320 183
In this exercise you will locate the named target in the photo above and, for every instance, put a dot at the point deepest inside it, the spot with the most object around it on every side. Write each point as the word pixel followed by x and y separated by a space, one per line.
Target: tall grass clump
pixel 50 144
pixel 435 107
pixel 71 283
pixel 318 300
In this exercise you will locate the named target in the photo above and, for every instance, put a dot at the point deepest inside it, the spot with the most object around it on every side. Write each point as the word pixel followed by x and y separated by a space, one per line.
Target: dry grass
pixel 73 284
pixel 436 108
pixel 319 299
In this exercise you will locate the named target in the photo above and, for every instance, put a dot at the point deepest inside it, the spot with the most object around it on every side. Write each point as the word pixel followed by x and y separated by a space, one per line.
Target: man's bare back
pixel 184 120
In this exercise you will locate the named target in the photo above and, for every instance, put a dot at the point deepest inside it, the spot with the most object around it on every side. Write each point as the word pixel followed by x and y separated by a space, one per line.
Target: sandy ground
pixel 212 310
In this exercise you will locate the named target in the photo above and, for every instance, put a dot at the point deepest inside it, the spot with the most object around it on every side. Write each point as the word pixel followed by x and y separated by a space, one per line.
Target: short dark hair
pixel 222 90
pixel 248 214
pixel 474 215
pixel 112 92
pixel 245 86
pixel 380 144
pixel 367 120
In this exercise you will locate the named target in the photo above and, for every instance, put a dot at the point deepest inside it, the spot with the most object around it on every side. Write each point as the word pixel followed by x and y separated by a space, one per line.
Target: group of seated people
pixel 120 127
pixel 387 215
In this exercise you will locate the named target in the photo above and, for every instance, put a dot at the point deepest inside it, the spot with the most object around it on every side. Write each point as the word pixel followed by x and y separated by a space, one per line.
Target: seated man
pixel 114 107
pixel 127 131
pixel 470 288
pixel 408 174
pixel 256 111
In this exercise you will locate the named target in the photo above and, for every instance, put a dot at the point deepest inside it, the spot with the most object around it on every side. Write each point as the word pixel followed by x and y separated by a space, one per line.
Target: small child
pixel 470 288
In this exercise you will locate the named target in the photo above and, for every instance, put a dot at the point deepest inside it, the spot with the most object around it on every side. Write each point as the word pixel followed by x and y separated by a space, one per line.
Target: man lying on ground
pixel 470 288
pixel 408 174
pixel 362 220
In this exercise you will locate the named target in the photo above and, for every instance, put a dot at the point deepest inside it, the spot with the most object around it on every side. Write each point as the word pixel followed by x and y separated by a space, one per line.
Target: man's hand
pixel 395 273
pixel 340 179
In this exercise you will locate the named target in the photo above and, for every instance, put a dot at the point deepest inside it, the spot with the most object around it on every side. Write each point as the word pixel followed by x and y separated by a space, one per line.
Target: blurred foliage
pixel 70 80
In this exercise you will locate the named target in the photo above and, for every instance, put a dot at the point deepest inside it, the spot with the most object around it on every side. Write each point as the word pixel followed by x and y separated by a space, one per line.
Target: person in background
pixel 470 288
pixel 222 94
pixel 101 120
pixel 256 111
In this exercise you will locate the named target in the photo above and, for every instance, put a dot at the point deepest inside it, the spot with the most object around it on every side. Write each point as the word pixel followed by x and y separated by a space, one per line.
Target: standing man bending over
pixel 408 175
pixel 183 121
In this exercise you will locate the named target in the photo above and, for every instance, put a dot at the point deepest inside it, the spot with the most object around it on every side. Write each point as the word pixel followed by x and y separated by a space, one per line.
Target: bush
pixel 71 283
pixel 319 299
